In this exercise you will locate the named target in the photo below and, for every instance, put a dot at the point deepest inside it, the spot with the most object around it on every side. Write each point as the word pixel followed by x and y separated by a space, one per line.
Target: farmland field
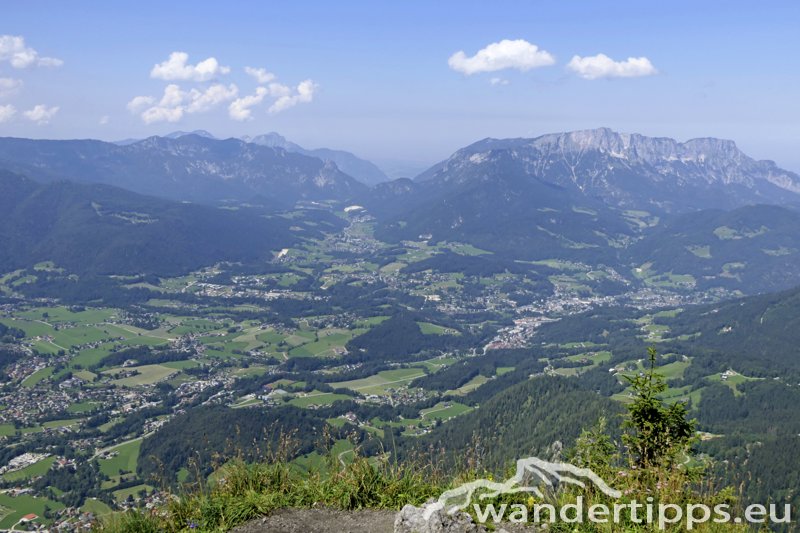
pixel 444 411
pixel 126 458
pixel 23 505
pixel 36 469
pixel 381 382
pixel 122 494
pixel 317 398
pixel 36 377
pixel 96 507
pixel 147 375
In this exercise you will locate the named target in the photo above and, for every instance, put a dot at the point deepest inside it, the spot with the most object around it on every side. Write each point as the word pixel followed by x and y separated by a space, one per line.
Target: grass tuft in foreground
pixel 244 491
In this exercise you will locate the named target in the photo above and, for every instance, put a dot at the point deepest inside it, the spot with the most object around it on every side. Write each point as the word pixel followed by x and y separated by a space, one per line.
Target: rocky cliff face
pixel 629 170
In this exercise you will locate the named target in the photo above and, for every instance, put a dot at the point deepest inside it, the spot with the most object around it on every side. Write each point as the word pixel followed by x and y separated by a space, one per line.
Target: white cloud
pixel 498 81
pixel 49 62
pixel 9 86
pixel 507 54
pixel 304 94
pixel 240 108
pixel 169 109
pixel 173 96
pixel 278 90
pixel 211 97
pixel 162 114
pixel 602 66
pixel 176 68
pixel 175 102
pixel 41 114
pixel 104 120
pixel 7 112
pixel 140 102
pixel 285 97
pixel 260 74
pixel 14 50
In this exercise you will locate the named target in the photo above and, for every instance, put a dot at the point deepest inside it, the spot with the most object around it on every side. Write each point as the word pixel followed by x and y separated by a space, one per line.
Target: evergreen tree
pixel 656 432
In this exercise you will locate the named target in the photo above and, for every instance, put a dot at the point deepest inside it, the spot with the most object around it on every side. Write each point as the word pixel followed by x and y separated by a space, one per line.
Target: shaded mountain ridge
pixel 98 229
pixel 191 167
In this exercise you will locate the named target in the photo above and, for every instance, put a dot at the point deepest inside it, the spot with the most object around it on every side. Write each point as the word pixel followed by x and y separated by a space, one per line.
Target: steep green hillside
pixel 757 335
pixel 97 229
pixel 752 248
pixel 521 421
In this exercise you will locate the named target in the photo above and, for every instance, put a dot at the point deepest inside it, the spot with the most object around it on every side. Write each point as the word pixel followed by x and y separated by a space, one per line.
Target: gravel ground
pixel 321 521
pixel 335 521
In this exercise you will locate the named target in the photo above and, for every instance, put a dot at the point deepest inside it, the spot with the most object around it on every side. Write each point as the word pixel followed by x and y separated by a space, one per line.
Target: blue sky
pixel 379 83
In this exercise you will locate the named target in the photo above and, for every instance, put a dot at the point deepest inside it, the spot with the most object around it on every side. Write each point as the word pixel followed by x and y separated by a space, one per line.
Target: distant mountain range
pixel 700 208
pixel 361 169
pixel 603 197
pixel 190 167
pixel 596 167
pixel 173 135
pixel 628 170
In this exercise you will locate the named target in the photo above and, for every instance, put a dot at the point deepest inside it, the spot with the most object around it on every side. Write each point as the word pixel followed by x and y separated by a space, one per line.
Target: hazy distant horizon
pixel 410 82
pixel 395 166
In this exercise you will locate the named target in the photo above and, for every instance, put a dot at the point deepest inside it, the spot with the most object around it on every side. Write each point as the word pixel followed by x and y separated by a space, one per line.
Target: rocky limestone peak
pixel 638 147
pixel 619 167
pixel 273 140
